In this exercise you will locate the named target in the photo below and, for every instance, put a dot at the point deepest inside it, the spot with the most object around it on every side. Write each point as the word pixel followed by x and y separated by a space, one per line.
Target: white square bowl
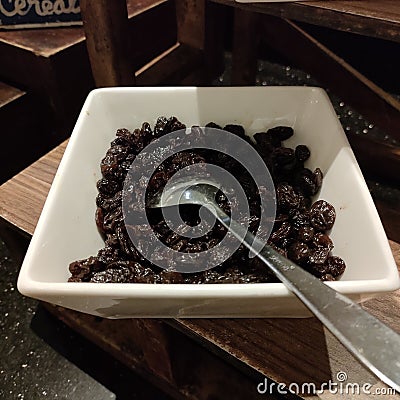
pixel 67 231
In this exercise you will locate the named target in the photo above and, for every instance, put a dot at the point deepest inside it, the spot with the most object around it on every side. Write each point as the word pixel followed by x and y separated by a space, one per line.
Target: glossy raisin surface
pixel 299 230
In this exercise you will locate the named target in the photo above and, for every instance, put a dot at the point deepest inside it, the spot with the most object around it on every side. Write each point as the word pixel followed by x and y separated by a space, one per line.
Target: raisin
pixel 171 277
pixel 108 187
pixel 281 233
pixel 298 231
pixel 235 129
pixel 302 153
pixel 300 220
pixel 281 132
pixel 266 141
pixel 335 266
pixel 305 181
pixel 322 240
pixel 327 277
pixel 283 156
pixel 305 233
pixel 322 215
pixel 287 198
pixel 318 176
pixel 159 128
pixel 299 252
pixel 318 255
pixel 213 125
pixel 146 133
pixel 116 273
pixel 100 220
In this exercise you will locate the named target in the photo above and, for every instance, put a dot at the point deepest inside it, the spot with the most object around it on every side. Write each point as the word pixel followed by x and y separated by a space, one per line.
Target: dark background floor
pixel 42 358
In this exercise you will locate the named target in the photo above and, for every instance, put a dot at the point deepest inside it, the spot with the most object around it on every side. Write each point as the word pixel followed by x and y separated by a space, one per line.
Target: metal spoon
pixel 371 342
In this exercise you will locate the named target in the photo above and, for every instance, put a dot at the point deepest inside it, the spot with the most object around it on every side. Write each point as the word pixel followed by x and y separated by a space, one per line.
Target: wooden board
pixel 284 350
pixel 379 19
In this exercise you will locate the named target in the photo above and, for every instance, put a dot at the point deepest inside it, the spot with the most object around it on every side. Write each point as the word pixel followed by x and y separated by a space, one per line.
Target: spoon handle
pixel 374 344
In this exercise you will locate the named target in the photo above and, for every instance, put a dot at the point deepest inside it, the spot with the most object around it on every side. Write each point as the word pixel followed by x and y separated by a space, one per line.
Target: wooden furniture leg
pixel 245 46
pixel 107 40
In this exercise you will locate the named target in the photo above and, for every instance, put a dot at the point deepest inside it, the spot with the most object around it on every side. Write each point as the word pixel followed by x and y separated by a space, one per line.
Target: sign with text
pixel 16 14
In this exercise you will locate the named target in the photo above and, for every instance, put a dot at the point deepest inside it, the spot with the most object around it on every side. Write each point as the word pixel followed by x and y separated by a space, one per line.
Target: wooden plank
pixel 380 19
pixel 22 198
pixel 167 358
pixel 172 66
pixel 8 94
pixel 245 45
pixel 390 216
pixel 107 40
pixel 201 26
pixel 48 42
pixel 377 160
pixel 366 97
pixel 190 16
pixel 45 60
pixel 214 40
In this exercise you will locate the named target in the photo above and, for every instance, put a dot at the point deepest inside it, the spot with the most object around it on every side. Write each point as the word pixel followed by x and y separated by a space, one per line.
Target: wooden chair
pixel 196 57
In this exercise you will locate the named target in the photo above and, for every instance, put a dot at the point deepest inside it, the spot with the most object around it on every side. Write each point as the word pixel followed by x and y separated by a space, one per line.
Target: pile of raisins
pixel 300 229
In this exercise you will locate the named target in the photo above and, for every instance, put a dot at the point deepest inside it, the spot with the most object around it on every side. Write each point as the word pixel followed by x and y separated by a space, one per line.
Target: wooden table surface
pixel 376 18
pixel 284 350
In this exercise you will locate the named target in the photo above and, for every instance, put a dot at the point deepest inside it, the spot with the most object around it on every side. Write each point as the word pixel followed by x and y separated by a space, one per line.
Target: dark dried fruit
pixel 235 129
pixel 305 180
pixel 213 125
pixel 305 233
pixel 281 132
pixel 281 233
pixel 322 240
pixel 318 255
pixel 298 231
pixel 267 141
pixel 318 176
pixel 108 187
pixel 302 153
pixel 299 252
pixel 335 266
pixel 282 157
pixel 286 196
pixel 322 215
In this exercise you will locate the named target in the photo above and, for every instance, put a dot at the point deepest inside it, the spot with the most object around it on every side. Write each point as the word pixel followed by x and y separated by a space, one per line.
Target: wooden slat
pixel 201 26
pixel 390 216
pixel 214 40
pixel 166 357
pixel 107 40
pixel 190 16
pixel 245 45
pixel 379 19
pixel 377 160
pixel 172 66
pixel 47 42
pixel 9 94
pixel 22 197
